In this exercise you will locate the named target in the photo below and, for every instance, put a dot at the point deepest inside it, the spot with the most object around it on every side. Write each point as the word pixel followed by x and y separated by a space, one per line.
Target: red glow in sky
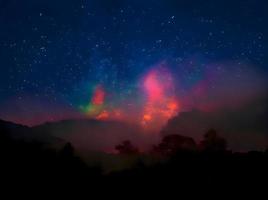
pixel 98 96
pixel 161 104
pixel 104 115
pixel 155 90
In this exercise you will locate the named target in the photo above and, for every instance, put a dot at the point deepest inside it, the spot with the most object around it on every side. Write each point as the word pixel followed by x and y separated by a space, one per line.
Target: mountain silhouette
pixel 92 135
pixel 19 132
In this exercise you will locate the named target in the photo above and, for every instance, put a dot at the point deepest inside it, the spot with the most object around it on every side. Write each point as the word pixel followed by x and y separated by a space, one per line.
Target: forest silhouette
pixel 177 161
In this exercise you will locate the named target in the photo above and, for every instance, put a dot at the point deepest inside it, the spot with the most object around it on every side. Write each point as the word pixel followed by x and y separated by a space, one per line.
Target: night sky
pixel 140 61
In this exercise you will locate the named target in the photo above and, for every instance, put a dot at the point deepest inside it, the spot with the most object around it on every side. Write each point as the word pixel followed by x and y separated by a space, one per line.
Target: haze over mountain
pixel 245 127
pixel 25 133
pixel 95 135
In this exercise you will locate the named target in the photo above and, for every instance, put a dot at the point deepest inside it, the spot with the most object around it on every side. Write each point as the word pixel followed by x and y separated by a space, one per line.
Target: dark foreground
pixel 29 167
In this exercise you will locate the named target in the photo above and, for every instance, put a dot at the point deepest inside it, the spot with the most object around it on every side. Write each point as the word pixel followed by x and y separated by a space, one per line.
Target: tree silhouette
pixel 266 150
pixel 171 144
pixel 212 142
pixel 126 148
pixel 67 150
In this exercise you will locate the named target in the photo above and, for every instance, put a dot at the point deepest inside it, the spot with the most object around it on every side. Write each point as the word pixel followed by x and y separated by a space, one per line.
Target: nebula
pixel 161 93
pixel 161 103
pixel 158 102
pixel 98 96
pixel 96 104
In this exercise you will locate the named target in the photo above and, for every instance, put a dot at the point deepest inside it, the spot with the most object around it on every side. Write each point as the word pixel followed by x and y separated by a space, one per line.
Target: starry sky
pixel 141 61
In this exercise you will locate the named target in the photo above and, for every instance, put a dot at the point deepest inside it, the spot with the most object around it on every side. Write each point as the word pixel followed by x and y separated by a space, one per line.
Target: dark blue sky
pixel 57 51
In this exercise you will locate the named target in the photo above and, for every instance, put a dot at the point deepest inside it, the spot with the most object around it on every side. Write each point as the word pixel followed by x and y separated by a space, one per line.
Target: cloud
pixel 245 128
pixel 224 85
